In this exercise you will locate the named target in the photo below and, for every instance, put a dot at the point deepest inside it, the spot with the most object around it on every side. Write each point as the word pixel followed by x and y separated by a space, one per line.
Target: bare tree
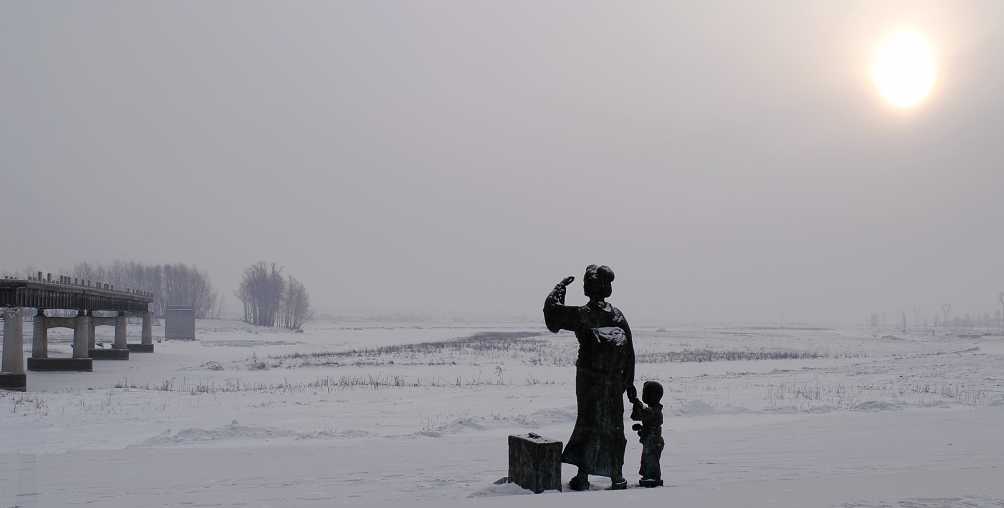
pixel 296 305
pixel 261 292
pixel 270 299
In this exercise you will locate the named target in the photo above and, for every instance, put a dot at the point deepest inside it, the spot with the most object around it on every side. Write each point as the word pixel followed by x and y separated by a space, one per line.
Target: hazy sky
pixel 730 160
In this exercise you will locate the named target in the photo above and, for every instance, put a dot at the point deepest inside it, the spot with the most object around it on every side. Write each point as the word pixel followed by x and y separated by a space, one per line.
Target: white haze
pixel 730 160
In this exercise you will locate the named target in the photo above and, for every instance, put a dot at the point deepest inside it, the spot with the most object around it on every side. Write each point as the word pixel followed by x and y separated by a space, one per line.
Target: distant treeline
pixel 177 284
pixel 269 297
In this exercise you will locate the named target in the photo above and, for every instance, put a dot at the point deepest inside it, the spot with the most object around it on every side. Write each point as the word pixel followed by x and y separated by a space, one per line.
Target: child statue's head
pixel 651 392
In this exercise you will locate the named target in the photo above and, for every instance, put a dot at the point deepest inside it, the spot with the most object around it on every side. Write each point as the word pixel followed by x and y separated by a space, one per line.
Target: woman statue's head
pixel 597 282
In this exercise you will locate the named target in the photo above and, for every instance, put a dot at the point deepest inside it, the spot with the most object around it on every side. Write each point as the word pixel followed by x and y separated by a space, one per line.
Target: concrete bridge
pixel 87 299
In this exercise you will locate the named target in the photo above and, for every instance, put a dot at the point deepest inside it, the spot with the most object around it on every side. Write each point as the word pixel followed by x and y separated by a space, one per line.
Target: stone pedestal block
pixel 535 462
pixel 179 323
pixel 140 348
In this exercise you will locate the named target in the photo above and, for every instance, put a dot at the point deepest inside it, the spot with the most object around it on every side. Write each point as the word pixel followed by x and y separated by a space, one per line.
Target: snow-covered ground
pixel 391 414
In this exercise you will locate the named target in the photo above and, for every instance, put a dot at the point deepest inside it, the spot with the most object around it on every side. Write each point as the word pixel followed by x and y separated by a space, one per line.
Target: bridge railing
pixel 69 293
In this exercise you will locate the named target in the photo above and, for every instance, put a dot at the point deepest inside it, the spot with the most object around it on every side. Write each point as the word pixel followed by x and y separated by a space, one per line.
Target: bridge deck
pixel 54 295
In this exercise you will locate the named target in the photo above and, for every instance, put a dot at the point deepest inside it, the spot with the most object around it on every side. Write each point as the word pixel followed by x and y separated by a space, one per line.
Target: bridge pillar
pixel 12 368
pixel 39 337
pixel 147 328
pixel 119 349
pixel 81 336
pixel 146 342
pixel 120 332
pixel 115 352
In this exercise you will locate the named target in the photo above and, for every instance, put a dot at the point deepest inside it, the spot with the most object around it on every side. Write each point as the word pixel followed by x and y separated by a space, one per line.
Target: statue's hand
pixel 566 281
pixel 632 394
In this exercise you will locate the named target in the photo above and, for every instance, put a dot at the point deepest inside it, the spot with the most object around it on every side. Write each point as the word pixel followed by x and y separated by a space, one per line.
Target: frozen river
pixel 384 414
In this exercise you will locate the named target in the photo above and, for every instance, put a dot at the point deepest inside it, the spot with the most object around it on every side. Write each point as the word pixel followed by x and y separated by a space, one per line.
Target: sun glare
pixel 903 69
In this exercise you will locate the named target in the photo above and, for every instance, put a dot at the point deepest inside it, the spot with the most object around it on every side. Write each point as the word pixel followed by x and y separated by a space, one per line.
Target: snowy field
pixel 392 415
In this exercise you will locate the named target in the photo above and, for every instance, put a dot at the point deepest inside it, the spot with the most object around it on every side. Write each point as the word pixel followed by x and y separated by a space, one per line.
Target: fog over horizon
pixel 731 161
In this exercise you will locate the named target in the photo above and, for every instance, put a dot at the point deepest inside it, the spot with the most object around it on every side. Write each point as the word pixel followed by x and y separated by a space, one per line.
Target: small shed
pixel 179 322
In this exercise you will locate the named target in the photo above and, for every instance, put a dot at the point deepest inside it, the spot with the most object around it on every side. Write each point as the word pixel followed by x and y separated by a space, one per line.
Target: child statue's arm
pixel 638 411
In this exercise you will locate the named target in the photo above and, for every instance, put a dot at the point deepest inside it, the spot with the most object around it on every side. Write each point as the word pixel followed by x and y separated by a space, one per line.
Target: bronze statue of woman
pixel 604 371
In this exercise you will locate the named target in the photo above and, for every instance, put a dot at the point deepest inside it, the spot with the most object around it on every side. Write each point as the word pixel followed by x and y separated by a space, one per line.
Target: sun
pixel 903 69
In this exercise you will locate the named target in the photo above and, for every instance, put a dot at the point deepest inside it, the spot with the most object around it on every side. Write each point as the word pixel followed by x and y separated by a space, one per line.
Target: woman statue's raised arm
pixel 557 315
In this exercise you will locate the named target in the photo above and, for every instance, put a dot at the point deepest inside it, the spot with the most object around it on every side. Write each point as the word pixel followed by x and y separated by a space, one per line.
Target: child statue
pixel 650 432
